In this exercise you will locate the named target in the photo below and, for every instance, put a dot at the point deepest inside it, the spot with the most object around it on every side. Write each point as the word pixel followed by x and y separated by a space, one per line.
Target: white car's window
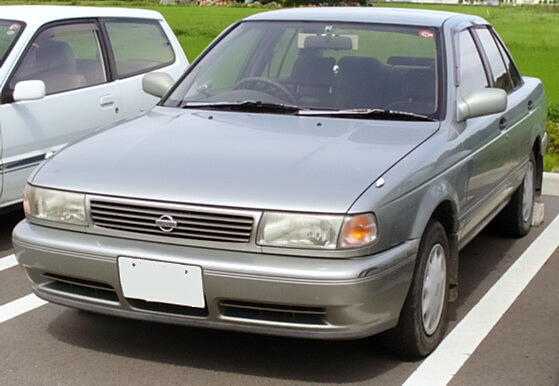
pixel 65 57
pixel 500 75
pixel 320 65
pixel 472 72
pixel 9 32
pixel 138 46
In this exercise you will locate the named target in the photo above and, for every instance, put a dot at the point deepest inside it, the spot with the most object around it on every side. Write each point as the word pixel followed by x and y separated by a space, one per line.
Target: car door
pixel 485 138
pixel 139 46
pixel 69 58
pixel 512 122
pixel 525 100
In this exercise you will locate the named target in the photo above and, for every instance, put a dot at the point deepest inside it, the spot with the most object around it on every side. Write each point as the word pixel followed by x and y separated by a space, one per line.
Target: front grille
pixel 75 286
pixel 190 224
pixel 167 308
pixel 273 312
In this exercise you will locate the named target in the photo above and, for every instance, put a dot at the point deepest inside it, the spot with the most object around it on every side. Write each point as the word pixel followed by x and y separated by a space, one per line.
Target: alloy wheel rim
pixel 434 288
pixel 528 193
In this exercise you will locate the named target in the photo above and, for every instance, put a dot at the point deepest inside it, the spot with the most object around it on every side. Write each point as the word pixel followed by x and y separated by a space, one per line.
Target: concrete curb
pixel 551 184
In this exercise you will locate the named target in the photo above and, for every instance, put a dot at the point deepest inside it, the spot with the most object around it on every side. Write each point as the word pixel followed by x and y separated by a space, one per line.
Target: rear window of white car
pixel 138 46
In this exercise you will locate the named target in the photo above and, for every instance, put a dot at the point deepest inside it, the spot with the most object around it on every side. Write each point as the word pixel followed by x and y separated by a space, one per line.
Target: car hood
pixel 232 159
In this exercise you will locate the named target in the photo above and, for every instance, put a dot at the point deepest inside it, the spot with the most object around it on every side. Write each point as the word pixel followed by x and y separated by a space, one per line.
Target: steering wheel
pixel 269 87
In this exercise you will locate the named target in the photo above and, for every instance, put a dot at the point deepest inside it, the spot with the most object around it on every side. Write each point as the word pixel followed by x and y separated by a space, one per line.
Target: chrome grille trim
pixel 195 225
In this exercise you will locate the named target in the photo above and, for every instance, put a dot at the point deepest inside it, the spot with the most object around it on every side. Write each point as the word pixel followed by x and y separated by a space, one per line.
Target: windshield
pixel 319 65
pixel 9 32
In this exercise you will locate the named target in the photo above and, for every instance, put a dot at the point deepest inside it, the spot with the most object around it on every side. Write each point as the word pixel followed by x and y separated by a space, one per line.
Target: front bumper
pixel 252 292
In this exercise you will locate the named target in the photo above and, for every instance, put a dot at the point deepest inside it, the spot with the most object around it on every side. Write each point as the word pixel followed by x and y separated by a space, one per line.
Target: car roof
pixel 404 16
pixel 40 14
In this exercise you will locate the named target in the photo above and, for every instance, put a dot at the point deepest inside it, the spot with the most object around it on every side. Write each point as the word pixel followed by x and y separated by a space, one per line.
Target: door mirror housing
pixel 485 101
pixel 29 90
pixel 157 83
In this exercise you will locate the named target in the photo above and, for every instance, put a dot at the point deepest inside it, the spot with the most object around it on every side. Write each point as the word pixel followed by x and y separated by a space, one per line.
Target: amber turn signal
pixel 358 230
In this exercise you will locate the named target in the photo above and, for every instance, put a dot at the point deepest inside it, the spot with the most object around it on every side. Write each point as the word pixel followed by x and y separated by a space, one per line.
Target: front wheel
pixel 423 318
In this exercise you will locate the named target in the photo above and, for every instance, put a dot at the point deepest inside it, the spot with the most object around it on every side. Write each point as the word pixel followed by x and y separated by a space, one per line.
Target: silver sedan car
pixel 314 173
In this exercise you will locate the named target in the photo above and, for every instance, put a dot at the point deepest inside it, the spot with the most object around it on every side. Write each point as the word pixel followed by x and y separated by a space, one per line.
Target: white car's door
pixel 139 46
pixel 69 57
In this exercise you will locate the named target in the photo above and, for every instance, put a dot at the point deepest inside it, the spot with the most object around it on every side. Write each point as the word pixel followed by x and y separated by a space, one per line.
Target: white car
pixel 66 71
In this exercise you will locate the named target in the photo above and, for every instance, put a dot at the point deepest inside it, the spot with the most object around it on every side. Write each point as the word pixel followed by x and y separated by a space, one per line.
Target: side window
pixel 513 71
pixel 65 57
pixel 472 72
pixel 501 77
pixel 138 46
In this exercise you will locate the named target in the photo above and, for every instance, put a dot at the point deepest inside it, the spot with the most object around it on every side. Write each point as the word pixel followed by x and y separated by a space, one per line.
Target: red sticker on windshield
pixel 426 34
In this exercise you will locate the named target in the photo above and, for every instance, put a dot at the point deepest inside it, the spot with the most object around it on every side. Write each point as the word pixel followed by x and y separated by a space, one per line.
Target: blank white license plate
pixel 157 281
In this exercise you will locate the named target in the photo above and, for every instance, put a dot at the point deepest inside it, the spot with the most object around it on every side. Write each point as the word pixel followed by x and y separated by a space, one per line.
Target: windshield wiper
pixel 248 106
pixel 369 114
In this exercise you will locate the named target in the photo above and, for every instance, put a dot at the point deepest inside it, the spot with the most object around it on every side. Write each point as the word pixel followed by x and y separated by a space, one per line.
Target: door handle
pixel 107 101
pixel 530 105
pixel 503 123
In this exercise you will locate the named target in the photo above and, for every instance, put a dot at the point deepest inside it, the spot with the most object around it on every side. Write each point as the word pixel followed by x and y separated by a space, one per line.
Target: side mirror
pixel 29 90
pixel 157 83
pixel 484 101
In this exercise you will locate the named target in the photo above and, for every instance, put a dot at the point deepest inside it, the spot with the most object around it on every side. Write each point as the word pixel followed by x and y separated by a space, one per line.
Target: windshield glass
pixel 9 32
pixel 319 65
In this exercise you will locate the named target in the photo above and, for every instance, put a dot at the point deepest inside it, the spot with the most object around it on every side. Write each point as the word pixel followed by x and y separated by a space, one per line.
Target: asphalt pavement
pixel 57 345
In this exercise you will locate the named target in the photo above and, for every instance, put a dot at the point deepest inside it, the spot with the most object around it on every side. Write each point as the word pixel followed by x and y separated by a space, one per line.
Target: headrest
pixel 55 55
pixel 315 71
pixel 420 83
pixel 358 66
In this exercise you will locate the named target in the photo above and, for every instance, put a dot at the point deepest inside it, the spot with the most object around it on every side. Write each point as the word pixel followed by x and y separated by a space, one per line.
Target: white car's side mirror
pixel 157 83
pixel 485 101
pixel 29 90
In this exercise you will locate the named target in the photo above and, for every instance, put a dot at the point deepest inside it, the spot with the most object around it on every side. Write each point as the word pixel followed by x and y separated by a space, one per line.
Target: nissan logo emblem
pixel 166 223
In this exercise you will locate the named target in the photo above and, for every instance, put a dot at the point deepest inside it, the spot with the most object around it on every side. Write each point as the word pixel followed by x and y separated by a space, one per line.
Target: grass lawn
pixel 551 162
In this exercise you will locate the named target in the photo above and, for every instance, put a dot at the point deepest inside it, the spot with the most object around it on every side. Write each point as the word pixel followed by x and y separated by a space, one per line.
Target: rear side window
pixel 138 46
pixel 513 71
pixel 501 76
pixel 472 72
pixel 65 57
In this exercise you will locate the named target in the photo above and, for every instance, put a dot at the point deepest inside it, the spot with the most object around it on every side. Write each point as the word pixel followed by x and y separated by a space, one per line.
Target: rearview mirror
pixel 29 90
pixel 485 101
pixel 157 83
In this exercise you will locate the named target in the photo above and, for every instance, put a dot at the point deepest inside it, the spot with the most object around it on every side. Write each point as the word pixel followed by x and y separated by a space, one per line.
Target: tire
pixel 516 218
pixel 417 335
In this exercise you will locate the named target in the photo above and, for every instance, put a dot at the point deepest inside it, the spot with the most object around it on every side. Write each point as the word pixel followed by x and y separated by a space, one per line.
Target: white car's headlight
pixel 54 205
pixel 293 230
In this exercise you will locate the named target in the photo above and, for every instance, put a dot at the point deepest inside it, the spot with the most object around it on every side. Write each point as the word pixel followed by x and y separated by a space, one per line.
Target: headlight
pixel 292 230
pixel 54 205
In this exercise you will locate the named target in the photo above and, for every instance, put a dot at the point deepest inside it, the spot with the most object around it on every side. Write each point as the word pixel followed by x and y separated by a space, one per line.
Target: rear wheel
pixel 516 217
pixel 423 318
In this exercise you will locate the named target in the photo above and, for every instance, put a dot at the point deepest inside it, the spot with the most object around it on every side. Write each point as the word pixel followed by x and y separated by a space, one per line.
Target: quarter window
pixel 138 47
pixel 472 72
pixel 501 77
pixel 513 71
pixel 64 57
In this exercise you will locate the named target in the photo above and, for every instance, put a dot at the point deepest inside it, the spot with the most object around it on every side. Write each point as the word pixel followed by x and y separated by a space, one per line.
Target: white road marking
pixel 20 306
pixel 7 262
pixel 441 366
